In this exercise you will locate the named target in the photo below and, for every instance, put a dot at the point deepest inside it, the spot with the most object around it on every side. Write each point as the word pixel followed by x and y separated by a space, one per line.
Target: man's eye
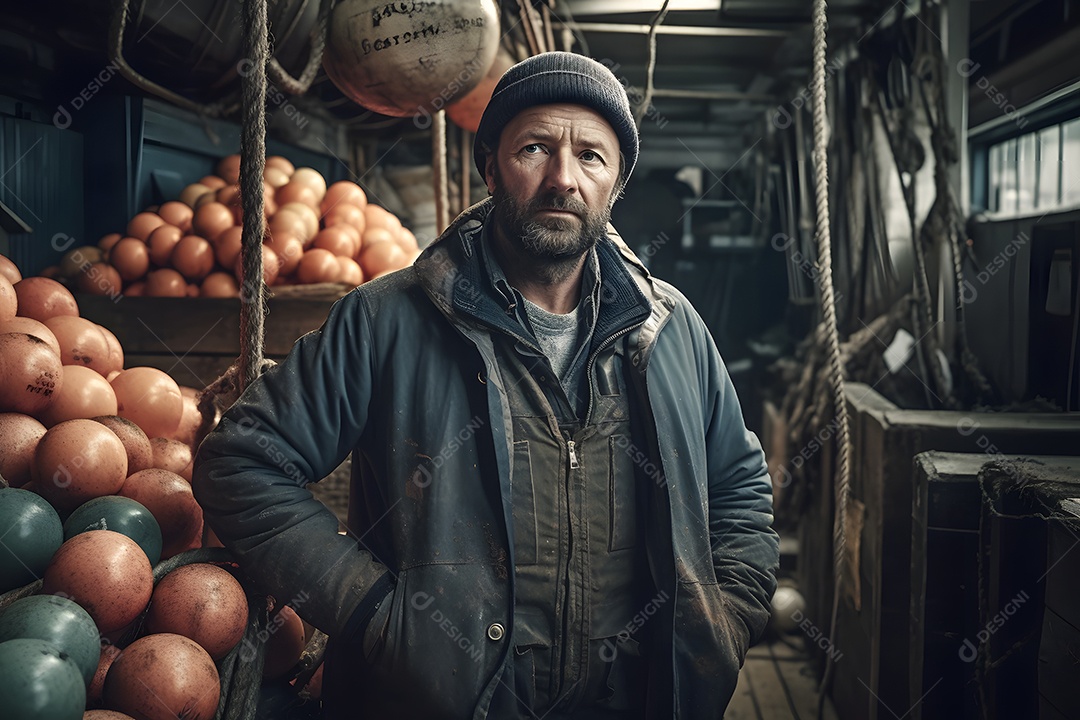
pixel 590 156
pixel 532 148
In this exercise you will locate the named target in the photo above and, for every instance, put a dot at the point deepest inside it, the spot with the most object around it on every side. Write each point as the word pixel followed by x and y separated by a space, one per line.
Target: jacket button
pixel 495 632
pixel 480 377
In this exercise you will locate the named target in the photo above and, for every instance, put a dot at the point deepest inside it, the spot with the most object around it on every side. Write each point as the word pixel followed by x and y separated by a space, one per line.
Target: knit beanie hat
pixel 557 77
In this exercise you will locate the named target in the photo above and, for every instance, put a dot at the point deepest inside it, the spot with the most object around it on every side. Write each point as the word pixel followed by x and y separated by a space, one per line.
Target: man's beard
pixel 551 239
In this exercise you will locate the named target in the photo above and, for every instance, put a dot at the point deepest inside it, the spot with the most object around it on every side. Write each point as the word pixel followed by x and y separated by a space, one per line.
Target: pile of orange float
pixel 56 366
pixel 190 247
pixel 77 428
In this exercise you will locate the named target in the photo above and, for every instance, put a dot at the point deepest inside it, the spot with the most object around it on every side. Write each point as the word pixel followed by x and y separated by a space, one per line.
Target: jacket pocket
pixel 525 678
pixel 375 632
pixel 711 643
pixel 524 501
pixel 532 669
pixel 386 628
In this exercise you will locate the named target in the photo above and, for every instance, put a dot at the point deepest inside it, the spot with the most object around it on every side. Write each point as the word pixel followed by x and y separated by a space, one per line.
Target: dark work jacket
pixel 403 375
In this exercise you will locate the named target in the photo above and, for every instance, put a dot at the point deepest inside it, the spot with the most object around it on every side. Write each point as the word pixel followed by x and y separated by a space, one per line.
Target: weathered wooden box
pixel 872 680
pixel 945 617
pixel 197 339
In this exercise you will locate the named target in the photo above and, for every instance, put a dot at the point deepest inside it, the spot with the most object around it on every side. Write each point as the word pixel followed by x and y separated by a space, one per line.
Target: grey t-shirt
pixel 557 335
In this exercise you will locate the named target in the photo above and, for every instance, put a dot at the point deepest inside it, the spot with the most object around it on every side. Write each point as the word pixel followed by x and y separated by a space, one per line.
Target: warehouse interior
pixel 951 131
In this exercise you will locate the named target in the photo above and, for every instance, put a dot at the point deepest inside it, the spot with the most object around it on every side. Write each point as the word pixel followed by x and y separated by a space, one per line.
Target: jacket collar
pixel 511 297
pixel 450 270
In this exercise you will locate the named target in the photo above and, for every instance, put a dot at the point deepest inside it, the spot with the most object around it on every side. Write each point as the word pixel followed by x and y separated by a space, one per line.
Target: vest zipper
pixel 572 447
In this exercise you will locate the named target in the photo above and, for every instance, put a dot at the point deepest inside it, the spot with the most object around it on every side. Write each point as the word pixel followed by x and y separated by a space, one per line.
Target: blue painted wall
pixel 41 180
pixel 117 155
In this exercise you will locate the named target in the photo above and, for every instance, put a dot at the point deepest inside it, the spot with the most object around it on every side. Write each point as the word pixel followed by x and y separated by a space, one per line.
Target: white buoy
pixel 404 58
pixel 788 607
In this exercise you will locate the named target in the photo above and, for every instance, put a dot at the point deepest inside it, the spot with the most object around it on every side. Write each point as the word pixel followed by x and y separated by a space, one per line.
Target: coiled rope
pixel 830 332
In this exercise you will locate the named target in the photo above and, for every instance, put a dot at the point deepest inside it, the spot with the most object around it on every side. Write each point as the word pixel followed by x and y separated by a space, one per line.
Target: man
pixel 556 508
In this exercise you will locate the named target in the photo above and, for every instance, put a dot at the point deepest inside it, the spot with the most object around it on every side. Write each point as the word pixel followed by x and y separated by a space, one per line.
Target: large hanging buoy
pixel 467 111
pixel 415 56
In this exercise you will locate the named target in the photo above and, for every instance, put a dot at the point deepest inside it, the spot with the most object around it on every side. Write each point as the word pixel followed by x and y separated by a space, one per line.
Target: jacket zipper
pixel 592 362
pixel 571 446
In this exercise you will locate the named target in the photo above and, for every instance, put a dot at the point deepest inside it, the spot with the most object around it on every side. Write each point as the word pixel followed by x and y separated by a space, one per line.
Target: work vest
pixel 580 568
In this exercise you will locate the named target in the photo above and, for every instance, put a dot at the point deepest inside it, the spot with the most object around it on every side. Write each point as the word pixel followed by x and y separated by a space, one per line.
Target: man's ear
pixel 489 173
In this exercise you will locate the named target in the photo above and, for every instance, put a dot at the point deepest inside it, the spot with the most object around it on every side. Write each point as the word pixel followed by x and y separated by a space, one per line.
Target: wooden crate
pixel 197 339
pixel 1059 669
pixel 872 680
pixel 1027 572
pixel 944 577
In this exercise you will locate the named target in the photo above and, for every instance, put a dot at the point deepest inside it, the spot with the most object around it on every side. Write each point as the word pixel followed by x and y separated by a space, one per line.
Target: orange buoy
pixel 466 112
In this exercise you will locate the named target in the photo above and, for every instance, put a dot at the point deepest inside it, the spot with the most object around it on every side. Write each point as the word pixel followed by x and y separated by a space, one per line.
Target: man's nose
pixel 561 172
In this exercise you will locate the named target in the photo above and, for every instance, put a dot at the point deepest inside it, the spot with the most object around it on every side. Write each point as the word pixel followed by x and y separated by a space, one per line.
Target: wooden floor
pixel 777 682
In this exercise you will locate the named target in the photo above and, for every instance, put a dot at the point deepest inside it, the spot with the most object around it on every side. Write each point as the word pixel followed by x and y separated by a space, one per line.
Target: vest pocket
pixel 524 510
pixel 621 489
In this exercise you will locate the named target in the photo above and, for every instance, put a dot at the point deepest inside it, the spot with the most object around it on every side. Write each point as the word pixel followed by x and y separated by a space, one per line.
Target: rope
pixel 466 168
pixel 117 28
pixel 532 36
pixel 545 22
pixel 252 164
pixel 647 99
pixel 19 593
pixel 438 153
pixel 831 333
pixel 930 67
pixel 299 86
pixel 921 318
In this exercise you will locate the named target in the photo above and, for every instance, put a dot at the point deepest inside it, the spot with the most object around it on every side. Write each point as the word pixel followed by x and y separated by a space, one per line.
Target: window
pixel 997 159
pixel 1036 172
pixel 1025 172
pixel 1070 163
pixel 1048 192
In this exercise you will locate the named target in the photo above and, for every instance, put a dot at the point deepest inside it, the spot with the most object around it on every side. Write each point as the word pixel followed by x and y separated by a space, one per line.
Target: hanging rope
pixel 225 391
pixel 830 334
pixel 300 85
pixel 647 100
pixel 252 164
pixel 466 168
pixel 438 166
pixel 945 218
pixel 545 22
pixel 117 28
pixel 533 35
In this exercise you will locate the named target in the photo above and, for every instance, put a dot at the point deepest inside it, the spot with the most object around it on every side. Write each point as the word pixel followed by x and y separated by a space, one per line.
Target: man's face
pixel 553 179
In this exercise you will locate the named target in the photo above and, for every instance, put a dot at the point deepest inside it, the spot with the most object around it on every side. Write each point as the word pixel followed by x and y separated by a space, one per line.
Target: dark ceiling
pixel 720 64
